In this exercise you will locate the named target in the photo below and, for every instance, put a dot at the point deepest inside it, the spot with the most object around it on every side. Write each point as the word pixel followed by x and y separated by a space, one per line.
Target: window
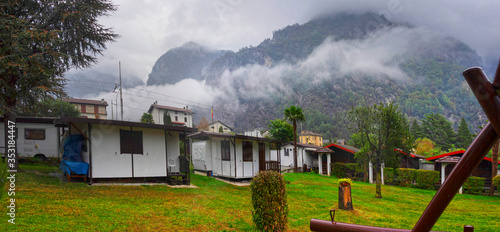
pixel 130 142
pixel 176 119
pixel 287 153
pixel 225 150
pixel 34 134
pixel 247 151
pixel 185 119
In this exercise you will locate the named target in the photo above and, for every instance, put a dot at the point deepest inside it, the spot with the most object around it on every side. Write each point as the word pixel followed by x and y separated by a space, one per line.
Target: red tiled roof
pixel 454 153
pixel 344 147
pixel 86 101
pixel 445 154
pixel 412 155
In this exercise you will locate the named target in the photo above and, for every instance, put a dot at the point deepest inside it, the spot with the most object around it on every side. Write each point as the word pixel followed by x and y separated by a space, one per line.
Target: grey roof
pixel 67 120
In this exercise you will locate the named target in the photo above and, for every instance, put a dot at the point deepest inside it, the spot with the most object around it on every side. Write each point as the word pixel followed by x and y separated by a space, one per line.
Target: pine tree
pixel 438 129
pixel 167 120
pixel 416 130
pixel 464 136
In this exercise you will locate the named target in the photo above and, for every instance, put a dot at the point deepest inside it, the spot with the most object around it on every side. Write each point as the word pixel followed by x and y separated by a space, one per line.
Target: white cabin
pixel 122 149
pixel 233 156
pixel 34 136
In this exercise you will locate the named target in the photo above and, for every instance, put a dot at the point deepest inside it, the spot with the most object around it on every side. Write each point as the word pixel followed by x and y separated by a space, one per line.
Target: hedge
pixel 407 176
pixel 496 182
pixel 426 179
pixel 474 185
pixel 389 174
pixel 269 200
pixel 340 170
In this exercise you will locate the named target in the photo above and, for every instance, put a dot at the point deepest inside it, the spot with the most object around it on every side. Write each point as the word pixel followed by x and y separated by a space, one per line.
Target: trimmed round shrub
pixel 269 200
pixel 474 185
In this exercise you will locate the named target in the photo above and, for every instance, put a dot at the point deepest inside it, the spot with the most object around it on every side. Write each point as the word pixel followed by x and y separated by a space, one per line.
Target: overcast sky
pixel 150 28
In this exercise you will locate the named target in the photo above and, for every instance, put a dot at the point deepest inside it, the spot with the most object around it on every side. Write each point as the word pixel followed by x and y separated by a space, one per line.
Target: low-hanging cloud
pixel 378 55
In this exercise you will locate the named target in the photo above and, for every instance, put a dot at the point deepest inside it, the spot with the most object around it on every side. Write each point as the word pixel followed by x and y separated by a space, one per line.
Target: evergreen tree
pixel 416 130
pixel 281 130
pixel 294 114
pixel 464 136
pixel 167 120
pixel 221 130
pixel 438 129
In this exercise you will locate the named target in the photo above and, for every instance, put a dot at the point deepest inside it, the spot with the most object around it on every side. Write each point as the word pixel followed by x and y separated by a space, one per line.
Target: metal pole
pixel 112 114
pixel 121 99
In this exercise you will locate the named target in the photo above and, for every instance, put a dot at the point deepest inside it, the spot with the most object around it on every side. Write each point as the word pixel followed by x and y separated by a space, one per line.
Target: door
pixel 262 157
pixel 324 164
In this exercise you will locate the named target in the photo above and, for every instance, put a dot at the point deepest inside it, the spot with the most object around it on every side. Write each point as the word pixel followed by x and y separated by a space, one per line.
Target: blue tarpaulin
pixel 72 162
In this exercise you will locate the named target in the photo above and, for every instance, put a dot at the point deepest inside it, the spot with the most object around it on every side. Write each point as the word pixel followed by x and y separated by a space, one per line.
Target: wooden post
pixel 345 200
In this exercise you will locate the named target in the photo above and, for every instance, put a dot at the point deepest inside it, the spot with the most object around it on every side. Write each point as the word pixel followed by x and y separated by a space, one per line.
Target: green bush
pixel 474 185
pixel 389 174
pixel 270 209
pixel 407 176
pixel 340 170
pixel 496 182
pixel 426 179
pixel 347 180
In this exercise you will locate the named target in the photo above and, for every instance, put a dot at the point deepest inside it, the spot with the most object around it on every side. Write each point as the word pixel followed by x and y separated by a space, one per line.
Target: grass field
pixel 46 204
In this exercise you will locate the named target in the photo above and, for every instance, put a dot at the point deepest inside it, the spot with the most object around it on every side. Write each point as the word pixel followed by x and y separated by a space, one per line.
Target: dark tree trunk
pixel 345 200
pixel 378 188
pixel 494 166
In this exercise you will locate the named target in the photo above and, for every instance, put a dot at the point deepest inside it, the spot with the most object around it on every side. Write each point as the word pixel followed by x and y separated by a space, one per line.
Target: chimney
pixel 155 103
pixel 187 107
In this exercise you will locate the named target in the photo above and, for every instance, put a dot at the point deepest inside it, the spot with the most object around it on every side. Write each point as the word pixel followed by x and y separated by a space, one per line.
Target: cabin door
pixel 324 164
pixel 262 157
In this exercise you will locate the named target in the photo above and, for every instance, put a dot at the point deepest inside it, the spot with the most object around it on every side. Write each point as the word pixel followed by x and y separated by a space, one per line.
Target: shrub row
pixel 474 185
pixel 407 177
pixel 340 170
pixel 496 182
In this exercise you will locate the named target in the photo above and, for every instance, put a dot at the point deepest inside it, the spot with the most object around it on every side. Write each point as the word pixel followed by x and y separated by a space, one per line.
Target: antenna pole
pixel 121 99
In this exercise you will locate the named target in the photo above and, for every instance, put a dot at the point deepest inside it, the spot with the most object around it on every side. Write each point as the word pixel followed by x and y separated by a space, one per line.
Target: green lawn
pixel 43 203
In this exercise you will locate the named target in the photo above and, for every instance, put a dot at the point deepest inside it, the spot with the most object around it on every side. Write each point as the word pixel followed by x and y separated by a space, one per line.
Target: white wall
pixel 28 148
pixel 158 116
pixel 108 162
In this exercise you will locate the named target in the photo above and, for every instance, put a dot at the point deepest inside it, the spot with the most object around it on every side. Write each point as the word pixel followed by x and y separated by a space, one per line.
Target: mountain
pixel 188 61
pixel 335 62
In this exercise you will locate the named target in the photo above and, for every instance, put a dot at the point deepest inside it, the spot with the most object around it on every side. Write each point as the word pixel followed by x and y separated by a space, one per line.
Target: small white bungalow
pixel 131 151
pixel 308 155
pixel 35 135
pixel 233 156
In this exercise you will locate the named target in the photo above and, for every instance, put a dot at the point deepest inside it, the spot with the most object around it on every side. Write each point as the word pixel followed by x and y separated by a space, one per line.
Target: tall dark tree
pixel 294 114
pixel 464 136
pixel 438 129
pixel 167 120
pixel 40 40
pixel 416 130
pixel 381 129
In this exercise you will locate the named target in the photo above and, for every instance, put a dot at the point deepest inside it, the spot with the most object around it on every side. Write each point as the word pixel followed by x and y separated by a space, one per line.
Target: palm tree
pixel 294 114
